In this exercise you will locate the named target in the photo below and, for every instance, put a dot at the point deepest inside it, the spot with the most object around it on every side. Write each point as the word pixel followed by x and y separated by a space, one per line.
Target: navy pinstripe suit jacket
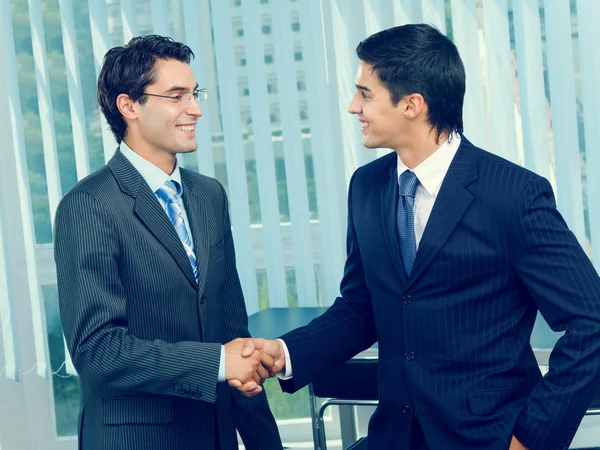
pixel 454 336
pixel 144 337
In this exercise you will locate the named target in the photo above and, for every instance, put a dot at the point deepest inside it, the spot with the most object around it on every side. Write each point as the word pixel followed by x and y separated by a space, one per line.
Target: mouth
pixel 363 126
pixel 187 129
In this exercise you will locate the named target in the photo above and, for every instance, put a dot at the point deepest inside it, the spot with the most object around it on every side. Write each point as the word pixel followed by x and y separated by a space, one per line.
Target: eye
pixel 196 94
pixel 364 95
pixel 179 98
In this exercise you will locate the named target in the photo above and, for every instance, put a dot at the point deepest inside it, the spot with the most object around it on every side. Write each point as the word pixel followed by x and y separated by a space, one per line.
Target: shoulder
pixel 210 186
pixel 99 186
pixel 499 174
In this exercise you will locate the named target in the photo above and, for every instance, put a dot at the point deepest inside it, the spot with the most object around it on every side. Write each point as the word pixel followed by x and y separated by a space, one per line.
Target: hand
pixel 515 444
pixel 272 358
pixel 248 367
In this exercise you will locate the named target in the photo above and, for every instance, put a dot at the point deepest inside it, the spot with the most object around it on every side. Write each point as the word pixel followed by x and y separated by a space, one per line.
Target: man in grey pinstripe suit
pixel 452 251
pixel 150 299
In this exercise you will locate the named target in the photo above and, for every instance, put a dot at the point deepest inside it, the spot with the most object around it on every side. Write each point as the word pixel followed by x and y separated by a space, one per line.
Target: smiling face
pixel 382 122
pixel 159 128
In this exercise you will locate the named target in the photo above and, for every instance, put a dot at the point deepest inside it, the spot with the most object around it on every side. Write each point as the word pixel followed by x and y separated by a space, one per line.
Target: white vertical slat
pixel 37 306
pixel 434 14
pixel 347 30
pixel 293 151
pixel 407 12
pixel 589 61
pixel 82 163
pixel 561 78
pixel 160 17
pixel 330 193
pixel 263 151
pixel 384 13
pixel 194 39
pixel 466 38
pixel 503 136
pixel 528 47
pixel 100 45
pixel 371 17
pixel 9 92
pixel 128 20
pixel 42 81
pixel 234 151
pixel 11 365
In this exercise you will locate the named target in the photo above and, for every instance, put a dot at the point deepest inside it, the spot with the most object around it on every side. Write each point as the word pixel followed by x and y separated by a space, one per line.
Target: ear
pixel 414 104
pixel 126 106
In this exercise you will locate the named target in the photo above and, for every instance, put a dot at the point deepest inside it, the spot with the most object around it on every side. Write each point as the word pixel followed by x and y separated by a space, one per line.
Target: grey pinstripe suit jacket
pixel 454 335
pixel 144 337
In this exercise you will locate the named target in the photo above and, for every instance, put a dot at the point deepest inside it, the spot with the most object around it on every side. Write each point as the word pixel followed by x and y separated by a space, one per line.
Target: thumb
pixel 249 348
pixel 251 345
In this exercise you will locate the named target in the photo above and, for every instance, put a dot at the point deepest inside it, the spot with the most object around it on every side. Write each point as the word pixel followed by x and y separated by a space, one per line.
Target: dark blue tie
pixel 406 220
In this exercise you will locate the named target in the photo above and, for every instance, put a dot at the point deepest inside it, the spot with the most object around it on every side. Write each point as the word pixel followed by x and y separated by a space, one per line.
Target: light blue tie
pixel 406 220
pixel 170 193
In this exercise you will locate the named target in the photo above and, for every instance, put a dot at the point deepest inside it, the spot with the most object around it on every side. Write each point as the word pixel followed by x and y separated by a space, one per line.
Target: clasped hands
pixel 249 362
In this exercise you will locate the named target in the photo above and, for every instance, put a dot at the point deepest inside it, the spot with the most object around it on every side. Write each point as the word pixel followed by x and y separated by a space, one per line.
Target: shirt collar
pixel 154 176
pixel 432 171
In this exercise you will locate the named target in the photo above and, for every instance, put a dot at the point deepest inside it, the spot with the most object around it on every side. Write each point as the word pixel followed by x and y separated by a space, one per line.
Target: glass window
pixel 268 59
pixel 298 56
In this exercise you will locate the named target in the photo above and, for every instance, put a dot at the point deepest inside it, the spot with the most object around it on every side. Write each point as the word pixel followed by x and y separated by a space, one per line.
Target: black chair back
pixel 354 380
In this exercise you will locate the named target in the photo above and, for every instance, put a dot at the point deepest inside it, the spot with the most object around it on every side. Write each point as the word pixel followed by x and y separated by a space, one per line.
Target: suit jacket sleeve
pixel 345 329
pixel 562 281
pixel 253 417
pixel 94 316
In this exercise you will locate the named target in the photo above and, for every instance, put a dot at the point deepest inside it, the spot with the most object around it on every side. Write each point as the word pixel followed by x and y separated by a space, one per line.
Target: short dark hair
pixel 417 58
pixel 130 69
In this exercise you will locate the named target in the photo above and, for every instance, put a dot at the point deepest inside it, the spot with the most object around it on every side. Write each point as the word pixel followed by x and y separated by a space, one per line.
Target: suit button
pixel 202 300
pixel 409 356
pixel 406 409
pixel 406 299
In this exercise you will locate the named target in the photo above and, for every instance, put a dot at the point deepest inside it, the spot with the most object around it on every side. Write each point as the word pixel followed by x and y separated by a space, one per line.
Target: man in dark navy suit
pixel 150 298
pixel 452 251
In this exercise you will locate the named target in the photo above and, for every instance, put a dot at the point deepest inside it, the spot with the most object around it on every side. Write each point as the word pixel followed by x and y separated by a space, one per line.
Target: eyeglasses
pixel 186 98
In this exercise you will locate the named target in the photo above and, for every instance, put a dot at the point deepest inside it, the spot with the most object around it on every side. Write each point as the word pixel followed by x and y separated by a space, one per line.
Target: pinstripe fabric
pixel 454 336
pixel 143 336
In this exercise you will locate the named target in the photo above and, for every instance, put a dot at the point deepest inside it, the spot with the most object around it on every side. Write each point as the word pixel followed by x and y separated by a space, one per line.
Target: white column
pixel 534 115
pixel 561 77
pixel 234 151
pixel 466 38
pixel 263 152
pixel 500 74
pixel 295 170
pixel 588 12
pixel 100 45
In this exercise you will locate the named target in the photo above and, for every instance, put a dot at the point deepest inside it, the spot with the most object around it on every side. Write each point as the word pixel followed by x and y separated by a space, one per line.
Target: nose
pixel 355 106
pixel 194 108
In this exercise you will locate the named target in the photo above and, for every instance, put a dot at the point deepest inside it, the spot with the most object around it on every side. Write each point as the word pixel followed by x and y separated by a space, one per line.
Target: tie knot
pixel 169 191
pixel 408 184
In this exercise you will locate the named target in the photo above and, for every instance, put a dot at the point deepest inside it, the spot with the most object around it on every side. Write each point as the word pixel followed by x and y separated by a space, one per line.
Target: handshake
pixel 249 362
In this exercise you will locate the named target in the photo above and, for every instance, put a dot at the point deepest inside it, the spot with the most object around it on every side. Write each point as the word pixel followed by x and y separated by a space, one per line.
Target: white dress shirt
pixel 430 174
pixel 155 178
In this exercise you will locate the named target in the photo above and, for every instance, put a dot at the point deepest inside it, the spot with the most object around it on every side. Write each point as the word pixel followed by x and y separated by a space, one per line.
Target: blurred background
pixel 276 133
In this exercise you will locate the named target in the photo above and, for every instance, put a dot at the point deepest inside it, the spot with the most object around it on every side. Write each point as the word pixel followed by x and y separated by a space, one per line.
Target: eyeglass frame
pixel 201 95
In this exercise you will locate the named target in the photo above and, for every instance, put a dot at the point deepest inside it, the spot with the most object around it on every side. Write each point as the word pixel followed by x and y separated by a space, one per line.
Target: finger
pixel 252 393
pixel 235 383
pixel 249 348
pixel 262 373
pixel 256 378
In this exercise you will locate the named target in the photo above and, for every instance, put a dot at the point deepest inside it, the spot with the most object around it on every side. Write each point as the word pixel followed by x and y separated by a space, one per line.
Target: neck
pixel 165 161
pixel 421 147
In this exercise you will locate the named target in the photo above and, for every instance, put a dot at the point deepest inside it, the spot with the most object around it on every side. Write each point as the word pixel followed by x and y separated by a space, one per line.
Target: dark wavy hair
pixel 130 69
pixel 419 59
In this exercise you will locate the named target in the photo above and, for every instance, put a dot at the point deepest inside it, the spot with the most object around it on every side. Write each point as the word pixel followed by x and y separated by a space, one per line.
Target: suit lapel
pixel 389 202
pixel 196 204
pixel 148 209
pixel 451 204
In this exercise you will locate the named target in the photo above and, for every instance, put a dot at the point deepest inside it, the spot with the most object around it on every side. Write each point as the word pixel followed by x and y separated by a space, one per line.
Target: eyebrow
pixel 180 89
pixel 363 88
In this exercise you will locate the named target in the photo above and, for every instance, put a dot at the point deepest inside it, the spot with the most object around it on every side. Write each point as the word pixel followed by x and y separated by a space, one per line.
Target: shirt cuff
pixel 286 373
pixel 222 365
